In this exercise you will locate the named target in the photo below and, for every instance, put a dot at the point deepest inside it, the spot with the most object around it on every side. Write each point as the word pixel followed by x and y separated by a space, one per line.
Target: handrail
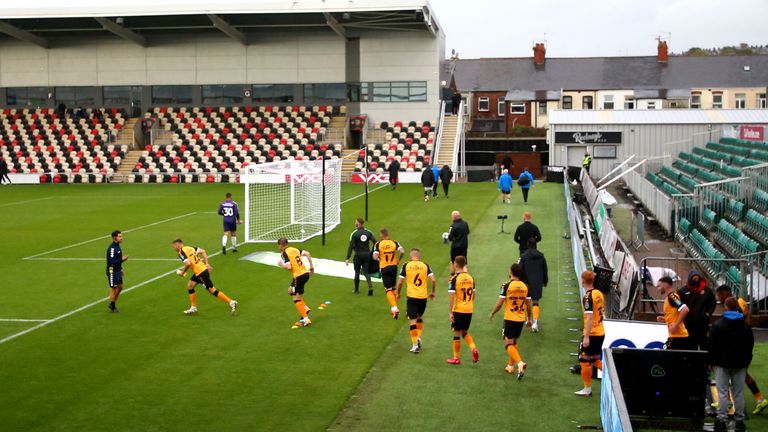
pixel 439 138
pixel 459 138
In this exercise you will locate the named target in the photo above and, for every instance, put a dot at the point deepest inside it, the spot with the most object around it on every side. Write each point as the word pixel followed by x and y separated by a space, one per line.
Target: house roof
pixel 679 75
pixel 675 116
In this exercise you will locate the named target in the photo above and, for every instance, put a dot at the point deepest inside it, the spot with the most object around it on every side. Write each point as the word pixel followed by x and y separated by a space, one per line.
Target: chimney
pixel 663 51
pixel 539 54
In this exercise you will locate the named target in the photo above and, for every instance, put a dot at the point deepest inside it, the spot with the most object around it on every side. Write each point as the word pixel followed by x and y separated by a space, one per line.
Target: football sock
pixel 456 347
pixel 391 298
pixel 468 339
pixel 224 241
pixel 192 297
pixel 598 364
pixel 755 391
pixel 414 334
pixel 535 312
pixel 112 305
pixel 514 355
pixel 221 296
pixel 301 307
pixel 586 374
pixel 419 326
pixel 233 239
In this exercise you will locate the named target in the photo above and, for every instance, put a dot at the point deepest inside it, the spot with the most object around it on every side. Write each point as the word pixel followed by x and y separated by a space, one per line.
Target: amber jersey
pixel 463 285
pixel 672 308
pixel 515 293
pixel 593 303
pixel 387 250
pixel 744 308
pixel 189 254
pixel 293 256
pixel 416 274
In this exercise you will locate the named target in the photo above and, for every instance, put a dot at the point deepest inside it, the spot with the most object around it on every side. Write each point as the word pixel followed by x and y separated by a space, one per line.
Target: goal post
pixel 295 199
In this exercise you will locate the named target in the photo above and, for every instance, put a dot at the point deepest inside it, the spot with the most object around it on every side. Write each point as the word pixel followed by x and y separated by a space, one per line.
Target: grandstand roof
pixel 678 76
pixel 668 116
pixel 37 22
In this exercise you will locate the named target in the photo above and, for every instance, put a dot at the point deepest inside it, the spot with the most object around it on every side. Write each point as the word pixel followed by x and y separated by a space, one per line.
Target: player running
pixel 115 260
pixel 291 259
pixel 517 309
pixel 228 209
pixel 594 333
pixel 388 253
pixel 197 260
pixel 460 306
pixel 416 273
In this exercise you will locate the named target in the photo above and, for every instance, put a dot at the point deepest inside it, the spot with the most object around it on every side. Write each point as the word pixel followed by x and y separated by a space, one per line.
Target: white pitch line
pixel 107 236
pixel 363 194
pixel 24 202
pixel 21 320
pixel 99 259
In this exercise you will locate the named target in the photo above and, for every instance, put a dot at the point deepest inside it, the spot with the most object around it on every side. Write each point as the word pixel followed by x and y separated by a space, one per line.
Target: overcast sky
pixel 508 28
pixel 575 28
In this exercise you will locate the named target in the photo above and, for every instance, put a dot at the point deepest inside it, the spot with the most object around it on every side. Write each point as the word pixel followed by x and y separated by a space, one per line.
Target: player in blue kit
pixel 115 260
pixel 228 209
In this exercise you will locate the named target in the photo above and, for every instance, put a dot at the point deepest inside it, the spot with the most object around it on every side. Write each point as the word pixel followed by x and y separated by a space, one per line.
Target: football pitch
pixel 67 364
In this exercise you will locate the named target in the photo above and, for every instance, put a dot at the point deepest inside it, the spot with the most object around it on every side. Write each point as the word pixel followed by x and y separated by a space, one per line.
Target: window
pixel 651 105
pixel 171 95
pixel 483 104
pixel 629 103
pixel 695 100
pixel 741 100
pixel 543 108
pixel 500 106
pixel 604 152
pixel 27 96
pixel 717 100
pixel 608 102
pixel 517 107
pixel 400 91
pixel 272 93
pixel 567 102
pixel 325 94
pixel 117 96
pixel 357 92
pixel 223 94
pixel 761 101
pixel 587 103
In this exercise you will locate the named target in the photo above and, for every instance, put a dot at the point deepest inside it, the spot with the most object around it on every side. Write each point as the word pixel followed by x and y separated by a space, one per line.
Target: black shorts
pixel 461 321
pixel 456 251
pixel 506 192
pixel 114 278
pixel 389 276
pixel 203 278
pixel 298 283
pixel 681 343
pixel 513 329
pixel 230 226
pixel 595 347
pixel 416 307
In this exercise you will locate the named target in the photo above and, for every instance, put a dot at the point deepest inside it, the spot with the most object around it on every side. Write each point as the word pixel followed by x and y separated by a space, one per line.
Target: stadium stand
pixel 410 143
pixel 74 149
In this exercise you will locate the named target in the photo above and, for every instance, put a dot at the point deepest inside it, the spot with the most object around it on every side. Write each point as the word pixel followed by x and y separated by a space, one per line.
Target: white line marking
pixel 20 320
pixel 99 259
pixel 107 236
pixel 363 194
pixel 24 202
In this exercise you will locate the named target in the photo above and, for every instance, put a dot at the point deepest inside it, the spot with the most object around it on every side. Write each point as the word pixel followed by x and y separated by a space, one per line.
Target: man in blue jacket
pixel 436 174
pixel 505 186
pixel 526 183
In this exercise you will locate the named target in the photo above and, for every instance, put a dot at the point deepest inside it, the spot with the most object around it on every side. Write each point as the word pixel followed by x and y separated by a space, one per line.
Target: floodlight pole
pixel 322 180
pixel 366 182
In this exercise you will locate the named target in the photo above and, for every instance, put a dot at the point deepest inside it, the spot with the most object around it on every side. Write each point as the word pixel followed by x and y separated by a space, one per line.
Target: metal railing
pixel 459 143
pixel 439 137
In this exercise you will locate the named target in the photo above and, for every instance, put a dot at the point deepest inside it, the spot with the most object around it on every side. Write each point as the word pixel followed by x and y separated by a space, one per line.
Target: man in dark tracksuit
pixel 428 181
pixel 458 235
pixel 361 241
pixel 394 172
pixel 446 174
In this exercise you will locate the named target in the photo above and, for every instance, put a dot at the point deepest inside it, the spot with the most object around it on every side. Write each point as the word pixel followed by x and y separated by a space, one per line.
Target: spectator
pixel 436 174
pixel 701 303
pixel 587 162
pixel 61 110
pixel 394 172
pixel 505 186
pixel 428 181
pixel 360 241
pixel 455 102
pixel 536 276
pixel 496 171
pixel 525 181
pixel 675 312
pixel 458 235
pixel 446 174
pixel 4 171
pixel 526 231
pixel 730 352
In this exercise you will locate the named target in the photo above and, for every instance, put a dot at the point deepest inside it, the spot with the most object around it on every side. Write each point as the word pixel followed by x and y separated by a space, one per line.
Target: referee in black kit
pixel 360 241
pixel 458 235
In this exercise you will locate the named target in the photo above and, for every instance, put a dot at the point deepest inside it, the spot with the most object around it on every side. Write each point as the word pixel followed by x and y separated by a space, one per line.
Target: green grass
pixel 150 368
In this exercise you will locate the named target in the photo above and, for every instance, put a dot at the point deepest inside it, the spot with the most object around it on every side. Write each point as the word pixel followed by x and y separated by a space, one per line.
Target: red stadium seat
pixel 210 179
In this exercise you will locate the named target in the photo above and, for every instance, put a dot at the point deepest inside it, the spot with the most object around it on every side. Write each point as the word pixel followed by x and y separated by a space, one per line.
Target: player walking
pixel 517 309
pixel 115 260
pixel 360 242
pixel 228 209
pixel 291 259
pixel 460 306
pixel 594 333
pixel 674 315
pixel 389 253
pixel 415 273
pixel 197 260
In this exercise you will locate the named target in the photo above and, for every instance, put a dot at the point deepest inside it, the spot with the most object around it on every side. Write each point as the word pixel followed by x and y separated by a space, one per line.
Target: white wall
pixel 643 104
pixel 619 97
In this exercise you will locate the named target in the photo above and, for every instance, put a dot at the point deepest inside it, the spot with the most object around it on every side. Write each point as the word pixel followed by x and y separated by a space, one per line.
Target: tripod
pixel 502 218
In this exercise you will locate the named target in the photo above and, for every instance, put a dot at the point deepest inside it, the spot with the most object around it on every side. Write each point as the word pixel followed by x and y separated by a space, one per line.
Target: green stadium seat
pixel 759 200
pixel 684 156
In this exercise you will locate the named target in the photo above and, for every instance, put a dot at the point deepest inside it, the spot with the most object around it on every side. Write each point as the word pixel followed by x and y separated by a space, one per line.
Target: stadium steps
pixel 348 164
pixel 126 135
pixel 334 134
pixel 126 165
pixel 448 141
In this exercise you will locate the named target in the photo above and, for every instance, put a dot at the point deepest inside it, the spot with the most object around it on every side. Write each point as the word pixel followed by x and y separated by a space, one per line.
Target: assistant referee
pixel 458 235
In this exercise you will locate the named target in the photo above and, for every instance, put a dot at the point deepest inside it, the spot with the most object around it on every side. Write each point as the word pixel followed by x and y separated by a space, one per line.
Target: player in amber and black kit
pixel 594 332
pixel 415 273
pixel 115 260
pixel 360 241
pixel 461 304
pixel 389 253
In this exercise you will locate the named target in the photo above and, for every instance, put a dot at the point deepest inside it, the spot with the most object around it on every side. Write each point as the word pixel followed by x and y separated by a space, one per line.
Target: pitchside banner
pixel 406 177
pixel 634 334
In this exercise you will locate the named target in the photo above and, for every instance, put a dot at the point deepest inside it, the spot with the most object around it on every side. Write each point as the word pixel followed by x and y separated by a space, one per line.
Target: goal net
pixel 285 199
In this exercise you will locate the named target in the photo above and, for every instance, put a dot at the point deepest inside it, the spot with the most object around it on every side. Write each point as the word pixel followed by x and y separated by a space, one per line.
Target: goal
pixel 294 199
